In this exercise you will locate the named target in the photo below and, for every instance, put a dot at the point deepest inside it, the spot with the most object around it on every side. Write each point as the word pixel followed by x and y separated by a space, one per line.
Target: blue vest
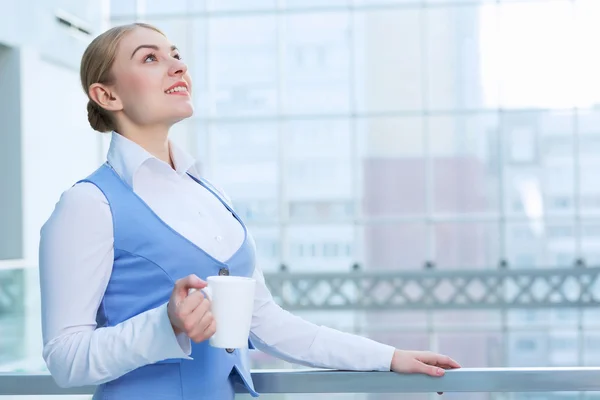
pixel 149 256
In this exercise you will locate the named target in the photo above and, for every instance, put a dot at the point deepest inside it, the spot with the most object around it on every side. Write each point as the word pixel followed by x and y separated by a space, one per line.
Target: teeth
pixel 177 89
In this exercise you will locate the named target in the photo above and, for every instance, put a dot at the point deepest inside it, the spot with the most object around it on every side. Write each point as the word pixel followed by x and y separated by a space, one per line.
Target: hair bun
pixel 98 118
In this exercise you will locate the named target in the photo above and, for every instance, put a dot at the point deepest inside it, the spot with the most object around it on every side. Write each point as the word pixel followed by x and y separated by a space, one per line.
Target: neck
pixel 155 140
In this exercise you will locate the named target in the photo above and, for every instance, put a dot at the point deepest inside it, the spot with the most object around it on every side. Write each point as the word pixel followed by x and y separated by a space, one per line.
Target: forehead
pixel 142 36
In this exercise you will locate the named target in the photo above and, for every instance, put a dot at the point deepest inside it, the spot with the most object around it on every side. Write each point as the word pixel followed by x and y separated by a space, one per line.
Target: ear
pixel 107 99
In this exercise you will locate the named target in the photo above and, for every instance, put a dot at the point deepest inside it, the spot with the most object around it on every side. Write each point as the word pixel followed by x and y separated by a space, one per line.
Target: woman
pixel 123 248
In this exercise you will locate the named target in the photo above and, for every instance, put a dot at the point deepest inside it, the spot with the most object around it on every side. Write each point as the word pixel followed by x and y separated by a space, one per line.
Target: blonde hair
pixel 96 66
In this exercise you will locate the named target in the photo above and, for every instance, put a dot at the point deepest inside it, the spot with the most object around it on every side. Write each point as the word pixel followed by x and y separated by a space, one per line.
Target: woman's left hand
pixel 422 362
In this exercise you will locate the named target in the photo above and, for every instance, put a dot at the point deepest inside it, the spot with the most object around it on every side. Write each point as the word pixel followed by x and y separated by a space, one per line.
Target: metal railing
pixel 428 289
pixel 440 290
pixel 576 379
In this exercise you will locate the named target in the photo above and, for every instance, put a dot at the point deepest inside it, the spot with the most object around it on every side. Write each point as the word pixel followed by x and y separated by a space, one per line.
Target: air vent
pixel 72 22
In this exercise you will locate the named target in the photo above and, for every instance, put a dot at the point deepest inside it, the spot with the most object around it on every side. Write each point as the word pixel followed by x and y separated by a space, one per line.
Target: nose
pixel 178 67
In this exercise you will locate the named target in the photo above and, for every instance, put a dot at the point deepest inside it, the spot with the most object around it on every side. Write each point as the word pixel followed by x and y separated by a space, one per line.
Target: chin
pixel 180 115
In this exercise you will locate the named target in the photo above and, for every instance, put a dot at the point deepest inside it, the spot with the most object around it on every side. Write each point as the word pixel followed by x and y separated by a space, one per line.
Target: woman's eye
pixel 150 57
pixel 177 56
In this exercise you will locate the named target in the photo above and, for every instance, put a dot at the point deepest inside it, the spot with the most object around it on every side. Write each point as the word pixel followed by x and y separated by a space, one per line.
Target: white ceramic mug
pixel 232 299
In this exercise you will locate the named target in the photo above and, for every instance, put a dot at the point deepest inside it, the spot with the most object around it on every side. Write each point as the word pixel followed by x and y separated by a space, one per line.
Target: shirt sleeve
pixel 76 260
pixel 284 335
pixel 291 338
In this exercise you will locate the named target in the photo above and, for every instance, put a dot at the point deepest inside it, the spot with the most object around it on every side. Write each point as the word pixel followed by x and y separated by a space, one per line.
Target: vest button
pixel 224 272
pixel 229 350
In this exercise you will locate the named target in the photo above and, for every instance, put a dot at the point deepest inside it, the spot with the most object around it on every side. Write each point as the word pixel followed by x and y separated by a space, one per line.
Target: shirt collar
pixel 126 157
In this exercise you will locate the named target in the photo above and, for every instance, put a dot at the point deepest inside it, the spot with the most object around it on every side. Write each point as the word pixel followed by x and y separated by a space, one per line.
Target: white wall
pixel 58 145
pixel 11 13
pixel 33 23
pixel 46 144
pixel 10 156
pixel 58 148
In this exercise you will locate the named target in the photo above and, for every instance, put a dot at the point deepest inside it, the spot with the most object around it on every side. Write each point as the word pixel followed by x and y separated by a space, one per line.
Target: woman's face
pixel 151 83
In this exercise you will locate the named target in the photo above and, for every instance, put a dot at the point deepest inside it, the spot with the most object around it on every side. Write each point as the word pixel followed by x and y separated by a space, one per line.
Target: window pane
pixel 557 150
pixel 541 243
pixel 122 7
pixel 421 2
pixel 153 7
pixel 177 31
pixel 466 245
pixel 587 62
pixel 590 242
pixel 528 348
pixel 392 163
pixel 588 126
pixel 395 247
pixel 268 245
pixel 481 349
pixel 318 161
pixel 544 77
pixel 402 340
pixel 539 171
pixel 389 75
pixel 450 2
pixel 450 319
pixel 317 67
pixel 250 5
pixel 564 345
pixel 320 248
pixel 591 348
pixel 243 65
pixel 385 2
pixel 245 164
pixel 315 3
pixel 464 150
pixel 461 43
pixel 196 58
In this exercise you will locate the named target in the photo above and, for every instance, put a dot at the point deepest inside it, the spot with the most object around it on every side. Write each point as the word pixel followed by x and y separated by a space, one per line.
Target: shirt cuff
pixel 168 344
pixel 384 353
pixel 378 356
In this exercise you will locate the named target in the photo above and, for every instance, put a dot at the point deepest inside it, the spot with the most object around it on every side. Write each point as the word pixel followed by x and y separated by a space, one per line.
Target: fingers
pixel 189 310
pixel 203 325
pixel 210 327
pixel 183 285
pixel 439 360
pixel 192 310
pixel 447 363
pixel 190 303
pixel 431 370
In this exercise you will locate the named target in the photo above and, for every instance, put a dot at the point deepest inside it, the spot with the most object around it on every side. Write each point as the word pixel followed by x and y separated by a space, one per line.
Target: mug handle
pixel 207 291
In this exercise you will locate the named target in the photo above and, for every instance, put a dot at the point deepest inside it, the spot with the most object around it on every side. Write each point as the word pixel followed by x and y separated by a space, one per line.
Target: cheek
pixel 141 86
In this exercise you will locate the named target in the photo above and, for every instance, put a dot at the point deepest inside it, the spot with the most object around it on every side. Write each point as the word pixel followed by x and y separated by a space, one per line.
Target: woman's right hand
pixel 190 313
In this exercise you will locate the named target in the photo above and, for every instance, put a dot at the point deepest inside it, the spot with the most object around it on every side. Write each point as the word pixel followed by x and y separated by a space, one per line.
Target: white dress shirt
pixel 76 259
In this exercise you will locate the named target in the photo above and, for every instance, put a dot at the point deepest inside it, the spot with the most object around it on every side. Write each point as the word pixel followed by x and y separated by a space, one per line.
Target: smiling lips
pixel 179 88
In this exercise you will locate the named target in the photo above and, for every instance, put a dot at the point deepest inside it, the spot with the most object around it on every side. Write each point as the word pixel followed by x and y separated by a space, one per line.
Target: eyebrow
pixel 150 46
